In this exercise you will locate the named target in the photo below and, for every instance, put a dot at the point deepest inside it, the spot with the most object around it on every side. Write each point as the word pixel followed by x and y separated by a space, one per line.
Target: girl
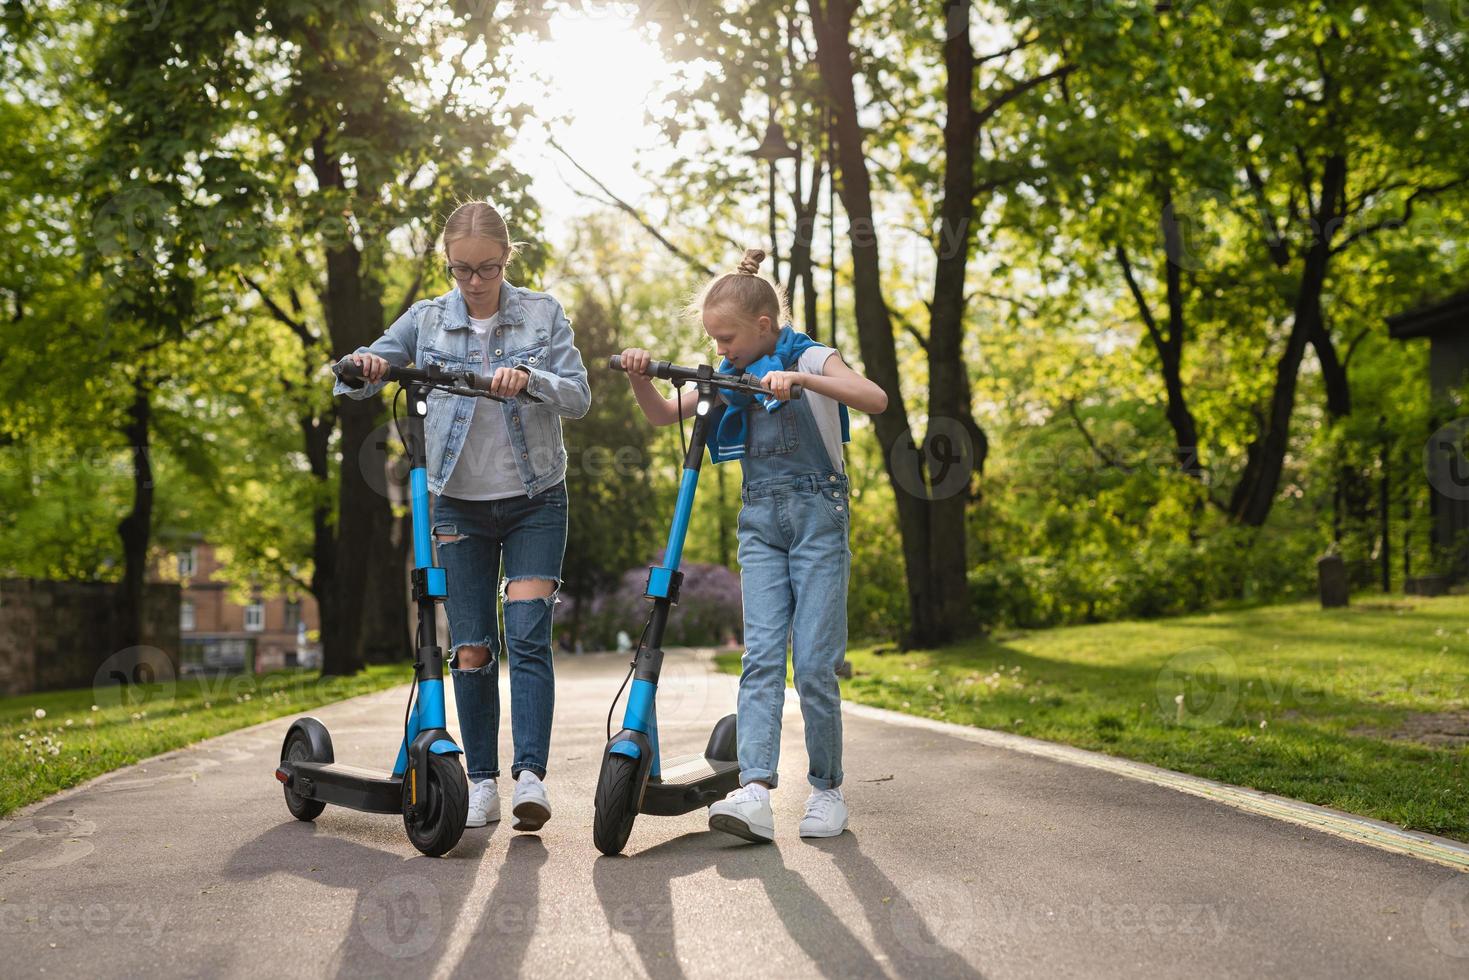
pixel 793 531
pixel 497 472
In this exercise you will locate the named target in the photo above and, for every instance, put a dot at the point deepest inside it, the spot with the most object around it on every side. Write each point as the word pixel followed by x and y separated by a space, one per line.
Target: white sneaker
pixel 745 813
pixel 826 814
pixel 484 803
pixel 530 808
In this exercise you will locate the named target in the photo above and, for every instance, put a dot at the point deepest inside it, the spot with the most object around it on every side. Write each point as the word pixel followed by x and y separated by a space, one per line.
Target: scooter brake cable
pixel 630 667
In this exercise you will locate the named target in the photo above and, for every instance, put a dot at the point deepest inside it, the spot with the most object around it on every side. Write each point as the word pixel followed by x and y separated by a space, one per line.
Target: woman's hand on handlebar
pixel 374 368
pixel 508 382
pixel 637 362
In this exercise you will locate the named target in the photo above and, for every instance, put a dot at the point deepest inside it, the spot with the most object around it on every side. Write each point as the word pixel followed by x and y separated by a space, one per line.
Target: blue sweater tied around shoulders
pixel 730 421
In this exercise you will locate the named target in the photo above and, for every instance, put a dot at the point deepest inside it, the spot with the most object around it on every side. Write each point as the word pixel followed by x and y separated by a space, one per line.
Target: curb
pixel 1373 833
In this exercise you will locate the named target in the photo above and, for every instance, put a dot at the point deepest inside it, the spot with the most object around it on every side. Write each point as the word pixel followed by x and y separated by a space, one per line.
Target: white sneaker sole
pixel 529 815
pixel 489 819
pixel 824 832
pixel 730 824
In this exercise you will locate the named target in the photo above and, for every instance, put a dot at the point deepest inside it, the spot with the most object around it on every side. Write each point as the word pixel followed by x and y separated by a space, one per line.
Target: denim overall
pixel 794 564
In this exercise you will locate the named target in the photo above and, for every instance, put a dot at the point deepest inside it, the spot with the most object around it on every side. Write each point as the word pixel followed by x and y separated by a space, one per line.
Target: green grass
pixel 1292 699
pixel 85 733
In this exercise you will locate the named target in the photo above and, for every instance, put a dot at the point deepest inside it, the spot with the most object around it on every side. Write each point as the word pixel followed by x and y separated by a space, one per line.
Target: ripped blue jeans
pixel 471 537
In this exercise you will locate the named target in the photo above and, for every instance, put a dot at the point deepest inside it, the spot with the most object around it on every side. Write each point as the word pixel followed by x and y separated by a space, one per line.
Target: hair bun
pixel 750 263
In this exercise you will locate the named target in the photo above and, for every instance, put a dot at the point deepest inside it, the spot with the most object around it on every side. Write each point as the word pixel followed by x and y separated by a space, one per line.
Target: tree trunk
pixel 370 609
pixel 1254 495
pixel 801 271
pixel 137 528
pixel 1333 373
pixel 1169 346
pixel 931 601
pixel 368 591
pixel 316 435
pixel 947 371
pixel 1185 430
pixel 388 626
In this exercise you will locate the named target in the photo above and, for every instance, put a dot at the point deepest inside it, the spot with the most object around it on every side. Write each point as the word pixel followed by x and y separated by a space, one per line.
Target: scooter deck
pixel 371 790
pixel 689 783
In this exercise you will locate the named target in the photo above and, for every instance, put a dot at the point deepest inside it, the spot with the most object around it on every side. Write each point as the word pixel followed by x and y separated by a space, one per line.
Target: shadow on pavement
pixel 404 905
pixel 636 896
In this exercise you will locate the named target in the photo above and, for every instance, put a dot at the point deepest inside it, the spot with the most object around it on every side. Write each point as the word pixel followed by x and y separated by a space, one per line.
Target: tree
pixel 1254 152
pixel 838 50
pixel 325 132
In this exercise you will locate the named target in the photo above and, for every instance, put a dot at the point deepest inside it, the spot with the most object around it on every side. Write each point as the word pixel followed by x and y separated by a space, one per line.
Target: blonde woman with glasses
pixel 497 474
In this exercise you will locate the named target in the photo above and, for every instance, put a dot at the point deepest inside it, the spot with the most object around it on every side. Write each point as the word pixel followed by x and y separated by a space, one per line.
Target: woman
pixel 497 475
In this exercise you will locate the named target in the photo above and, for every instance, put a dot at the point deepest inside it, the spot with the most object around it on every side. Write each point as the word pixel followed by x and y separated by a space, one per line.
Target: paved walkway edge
pixel 1374 833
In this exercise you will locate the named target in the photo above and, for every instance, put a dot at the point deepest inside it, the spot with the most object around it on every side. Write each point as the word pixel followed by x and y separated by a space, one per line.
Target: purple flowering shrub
pixel 708 613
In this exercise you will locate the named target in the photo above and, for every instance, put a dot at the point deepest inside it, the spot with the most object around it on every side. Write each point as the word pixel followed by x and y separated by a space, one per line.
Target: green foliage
pixel 194 251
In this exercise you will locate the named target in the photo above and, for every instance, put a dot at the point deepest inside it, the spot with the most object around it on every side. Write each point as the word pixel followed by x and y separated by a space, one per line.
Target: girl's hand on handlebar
pixel 374 368
pixel 779 383
pixel 636 361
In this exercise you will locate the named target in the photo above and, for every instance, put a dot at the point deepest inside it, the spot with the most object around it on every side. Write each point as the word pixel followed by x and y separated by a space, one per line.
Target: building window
pixel 188 562
pixel 255 617
pixel 186 615
pixel 293 614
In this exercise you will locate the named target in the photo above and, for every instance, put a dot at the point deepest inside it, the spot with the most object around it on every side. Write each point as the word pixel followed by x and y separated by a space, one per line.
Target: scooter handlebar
pixel 350 372
pixel 669 371
pixel 457 382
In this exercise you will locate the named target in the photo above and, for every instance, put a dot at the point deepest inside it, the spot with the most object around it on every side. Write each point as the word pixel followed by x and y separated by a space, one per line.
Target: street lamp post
pixel 772 148
pixel 831 213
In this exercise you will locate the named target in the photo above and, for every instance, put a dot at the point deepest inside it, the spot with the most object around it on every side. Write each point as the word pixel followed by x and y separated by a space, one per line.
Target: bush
pixel 709 611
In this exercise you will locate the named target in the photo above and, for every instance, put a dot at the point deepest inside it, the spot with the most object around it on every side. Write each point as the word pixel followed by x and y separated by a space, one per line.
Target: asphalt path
pixel 962 860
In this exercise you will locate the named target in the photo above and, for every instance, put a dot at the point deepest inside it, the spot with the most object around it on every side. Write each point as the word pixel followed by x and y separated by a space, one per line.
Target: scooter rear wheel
pixel 443 807
pixel 298 749
pixel 616 804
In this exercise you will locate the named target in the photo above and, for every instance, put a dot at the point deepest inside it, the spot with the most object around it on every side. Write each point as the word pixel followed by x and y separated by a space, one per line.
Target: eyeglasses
pixel 488 272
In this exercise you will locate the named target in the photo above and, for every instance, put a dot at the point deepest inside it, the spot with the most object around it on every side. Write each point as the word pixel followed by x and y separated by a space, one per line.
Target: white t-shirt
pixel 826 411
pixel 485 469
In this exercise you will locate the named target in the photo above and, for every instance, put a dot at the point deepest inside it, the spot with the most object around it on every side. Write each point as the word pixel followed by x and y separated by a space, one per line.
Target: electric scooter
pixel 634 778
pixel 427 783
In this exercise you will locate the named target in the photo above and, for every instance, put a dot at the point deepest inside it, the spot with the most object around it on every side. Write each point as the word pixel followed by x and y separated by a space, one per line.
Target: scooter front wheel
pixel 437 822
pixel 616 803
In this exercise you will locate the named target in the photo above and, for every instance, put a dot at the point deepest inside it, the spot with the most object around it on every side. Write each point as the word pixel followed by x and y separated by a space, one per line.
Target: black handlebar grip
pixel 350 372
pixel 615 362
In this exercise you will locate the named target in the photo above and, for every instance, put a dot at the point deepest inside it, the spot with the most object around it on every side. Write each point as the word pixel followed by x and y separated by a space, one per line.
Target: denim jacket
pixel 532 332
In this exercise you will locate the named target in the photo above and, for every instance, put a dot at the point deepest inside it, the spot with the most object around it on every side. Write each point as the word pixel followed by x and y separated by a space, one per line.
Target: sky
pixel 589 87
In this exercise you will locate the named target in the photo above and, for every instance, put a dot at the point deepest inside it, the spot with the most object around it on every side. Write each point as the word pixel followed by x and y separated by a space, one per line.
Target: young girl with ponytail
pixel 793 531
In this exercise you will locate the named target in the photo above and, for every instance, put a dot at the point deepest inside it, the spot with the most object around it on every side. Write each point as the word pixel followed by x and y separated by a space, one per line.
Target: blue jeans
pixel 471 538
pixel 794 566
